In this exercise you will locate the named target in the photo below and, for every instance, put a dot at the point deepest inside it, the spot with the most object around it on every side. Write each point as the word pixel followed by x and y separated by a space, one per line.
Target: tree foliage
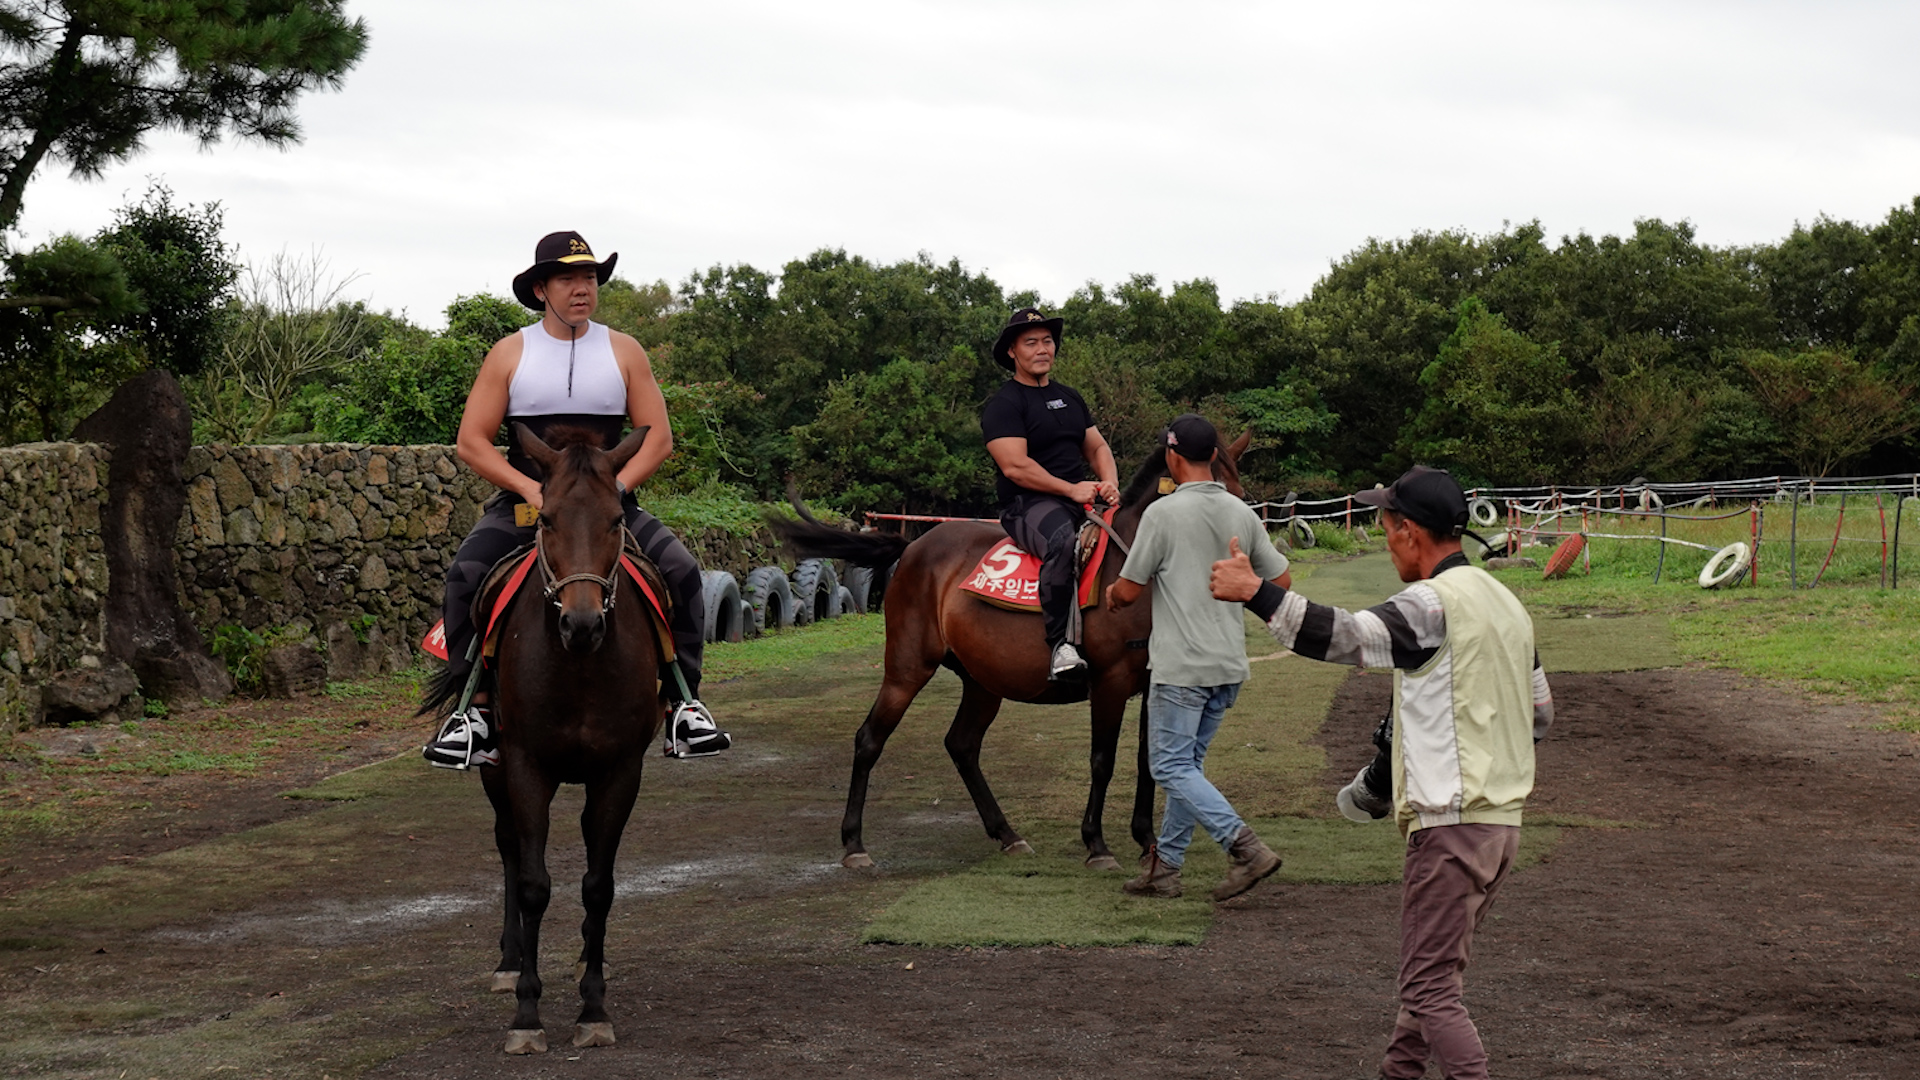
pixel 84 81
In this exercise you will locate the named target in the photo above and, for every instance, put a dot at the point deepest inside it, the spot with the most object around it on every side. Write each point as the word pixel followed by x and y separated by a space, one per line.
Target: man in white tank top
pixel 564 370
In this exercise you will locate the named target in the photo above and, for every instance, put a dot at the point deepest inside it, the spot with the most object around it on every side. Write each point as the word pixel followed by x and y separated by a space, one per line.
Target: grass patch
pixel 1053 899
pixel 379 779
pixel 795 649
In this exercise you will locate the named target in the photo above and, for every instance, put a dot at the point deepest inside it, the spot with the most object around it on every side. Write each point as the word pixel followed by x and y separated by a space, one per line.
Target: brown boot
pixel 1252 860
pixel 1156 878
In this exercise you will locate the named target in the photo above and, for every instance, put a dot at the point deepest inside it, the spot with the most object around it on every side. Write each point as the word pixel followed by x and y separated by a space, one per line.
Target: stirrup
pixel 465 740
pixel 691 732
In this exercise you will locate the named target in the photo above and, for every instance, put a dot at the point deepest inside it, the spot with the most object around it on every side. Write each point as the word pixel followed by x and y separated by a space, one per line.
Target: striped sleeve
pixel 1404 632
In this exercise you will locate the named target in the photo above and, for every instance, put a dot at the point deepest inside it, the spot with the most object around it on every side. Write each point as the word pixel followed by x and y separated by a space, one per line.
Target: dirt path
pixel 1754 921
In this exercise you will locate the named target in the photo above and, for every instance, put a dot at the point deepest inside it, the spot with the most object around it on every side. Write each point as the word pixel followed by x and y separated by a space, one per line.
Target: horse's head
pixel 580 525
pixel 1153 479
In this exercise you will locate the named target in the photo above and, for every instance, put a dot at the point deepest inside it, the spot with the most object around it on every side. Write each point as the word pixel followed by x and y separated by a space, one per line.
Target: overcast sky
pixel 1046 143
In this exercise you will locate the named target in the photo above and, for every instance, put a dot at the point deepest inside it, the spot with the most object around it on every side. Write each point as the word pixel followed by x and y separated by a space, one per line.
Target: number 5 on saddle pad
pixel 1009 577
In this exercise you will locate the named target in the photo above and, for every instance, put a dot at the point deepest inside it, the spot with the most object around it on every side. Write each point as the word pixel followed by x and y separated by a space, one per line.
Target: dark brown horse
pixel 998 654
pixel 578 702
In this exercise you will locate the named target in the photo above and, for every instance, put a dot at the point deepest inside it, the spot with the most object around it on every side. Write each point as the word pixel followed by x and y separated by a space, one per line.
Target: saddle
pixel 505 580
pixel 1009 576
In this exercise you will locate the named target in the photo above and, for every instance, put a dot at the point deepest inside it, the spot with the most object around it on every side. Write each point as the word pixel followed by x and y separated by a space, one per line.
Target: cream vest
pixel 1463 723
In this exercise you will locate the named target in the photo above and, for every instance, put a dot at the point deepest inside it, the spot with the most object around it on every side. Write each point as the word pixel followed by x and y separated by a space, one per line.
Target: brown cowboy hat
pixel 1024 319
pixel 556 252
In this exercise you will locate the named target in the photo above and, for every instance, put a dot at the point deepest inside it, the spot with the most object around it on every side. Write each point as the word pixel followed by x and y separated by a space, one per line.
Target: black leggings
pixel 1045 526
pixel 495 536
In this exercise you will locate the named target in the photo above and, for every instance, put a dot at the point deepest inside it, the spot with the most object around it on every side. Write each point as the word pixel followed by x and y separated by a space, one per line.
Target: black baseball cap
pixel 1192 437
pixel 1427 496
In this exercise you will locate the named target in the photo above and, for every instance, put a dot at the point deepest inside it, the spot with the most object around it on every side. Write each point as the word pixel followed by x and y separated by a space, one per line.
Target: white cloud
pixel 1049 143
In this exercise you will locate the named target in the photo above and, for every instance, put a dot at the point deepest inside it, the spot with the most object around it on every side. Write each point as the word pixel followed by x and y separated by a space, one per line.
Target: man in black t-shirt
pixel 1042 439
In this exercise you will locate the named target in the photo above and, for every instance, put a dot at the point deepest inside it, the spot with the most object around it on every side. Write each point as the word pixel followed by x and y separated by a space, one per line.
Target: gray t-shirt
pixel 1197 640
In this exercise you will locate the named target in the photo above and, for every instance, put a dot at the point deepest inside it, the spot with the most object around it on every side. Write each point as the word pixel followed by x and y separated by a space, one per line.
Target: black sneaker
pixel 690 732
pixel 465 740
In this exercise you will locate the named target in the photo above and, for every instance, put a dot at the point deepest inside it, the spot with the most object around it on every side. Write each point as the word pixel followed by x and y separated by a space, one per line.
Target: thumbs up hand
pixel 1233 578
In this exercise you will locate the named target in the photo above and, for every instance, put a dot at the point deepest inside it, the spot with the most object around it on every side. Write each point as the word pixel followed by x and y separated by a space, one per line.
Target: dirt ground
pixel 1752 916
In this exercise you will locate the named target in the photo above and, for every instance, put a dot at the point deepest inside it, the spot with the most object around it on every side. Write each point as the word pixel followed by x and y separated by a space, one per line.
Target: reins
pixel 553 586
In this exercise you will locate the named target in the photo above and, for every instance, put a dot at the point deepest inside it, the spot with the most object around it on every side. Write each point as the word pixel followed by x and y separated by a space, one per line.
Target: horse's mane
pixel 1145 479
pixel 567 436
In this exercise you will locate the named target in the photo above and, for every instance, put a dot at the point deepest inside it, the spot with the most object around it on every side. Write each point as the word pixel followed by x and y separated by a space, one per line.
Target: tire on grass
pixel 771 598
pixel 815 588
pixel 722 594
pixel 1483 512
pixel 1727 566
pixel 859 587
pixel 1564 557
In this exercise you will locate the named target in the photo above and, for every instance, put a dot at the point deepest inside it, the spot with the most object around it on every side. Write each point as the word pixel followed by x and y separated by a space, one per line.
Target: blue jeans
pixel 1181 723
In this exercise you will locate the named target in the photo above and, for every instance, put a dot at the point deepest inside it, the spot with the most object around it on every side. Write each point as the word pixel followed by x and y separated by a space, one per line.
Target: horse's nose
pixel 582 632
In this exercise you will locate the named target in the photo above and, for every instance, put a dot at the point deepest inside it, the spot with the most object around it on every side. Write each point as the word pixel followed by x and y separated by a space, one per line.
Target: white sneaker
pixel 1067 663
pixel 465 740
pixel 691 732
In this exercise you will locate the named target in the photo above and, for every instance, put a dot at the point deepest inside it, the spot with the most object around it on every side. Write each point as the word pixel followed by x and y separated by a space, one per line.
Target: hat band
pixel 575 259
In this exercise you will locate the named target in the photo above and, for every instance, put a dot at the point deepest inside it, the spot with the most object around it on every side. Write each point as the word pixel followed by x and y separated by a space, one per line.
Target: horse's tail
pixel 810 538
pixel 442 690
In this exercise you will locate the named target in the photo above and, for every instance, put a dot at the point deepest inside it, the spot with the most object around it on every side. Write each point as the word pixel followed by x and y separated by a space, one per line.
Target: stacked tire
pixel 726 619
pixel 816 592
pixel 768 597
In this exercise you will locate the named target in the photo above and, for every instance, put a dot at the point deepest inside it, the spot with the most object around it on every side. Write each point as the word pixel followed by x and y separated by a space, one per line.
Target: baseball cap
pixel 1192 437
pixel 1428 496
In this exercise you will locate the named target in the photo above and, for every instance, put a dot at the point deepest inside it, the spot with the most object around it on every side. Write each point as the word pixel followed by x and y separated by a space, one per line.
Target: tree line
pixel 1505 357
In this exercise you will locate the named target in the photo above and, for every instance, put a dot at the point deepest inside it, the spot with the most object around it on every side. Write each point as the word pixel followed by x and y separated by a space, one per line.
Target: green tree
pixel 904 435
pixel 57 361
pixel 289 327
pixel 1498 405
pixel 1828 407
pixel 183 271
pixel 84 81
pixel 412 386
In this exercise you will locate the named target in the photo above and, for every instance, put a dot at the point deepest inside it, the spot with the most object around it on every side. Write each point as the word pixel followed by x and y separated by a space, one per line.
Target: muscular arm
pixel 645 407
pixel 1010 454
pixel 486 408
pixel 1098 454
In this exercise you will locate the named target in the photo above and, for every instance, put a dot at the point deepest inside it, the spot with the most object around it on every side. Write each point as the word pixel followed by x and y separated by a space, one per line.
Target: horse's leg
pixel 609 804
pixel 1143 790
pixel 1109 701
pixel 507 972
pixel 978 707
pixel 532 794
pixel 903 682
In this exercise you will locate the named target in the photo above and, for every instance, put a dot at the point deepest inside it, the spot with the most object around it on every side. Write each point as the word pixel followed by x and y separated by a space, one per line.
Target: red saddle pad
pixel 1009 576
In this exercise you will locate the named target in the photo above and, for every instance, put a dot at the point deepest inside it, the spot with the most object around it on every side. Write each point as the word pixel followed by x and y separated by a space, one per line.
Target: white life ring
pixel 1483 511
pixel 1737 557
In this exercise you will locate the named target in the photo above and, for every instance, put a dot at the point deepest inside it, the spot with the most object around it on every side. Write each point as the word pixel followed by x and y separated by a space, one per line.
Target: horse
pixel 999 655
pixel 578 701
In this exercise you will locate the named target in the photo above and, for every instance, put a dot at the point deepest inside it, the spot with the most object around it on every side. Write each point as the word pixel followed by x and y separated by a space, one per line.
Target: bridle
pixel 553 586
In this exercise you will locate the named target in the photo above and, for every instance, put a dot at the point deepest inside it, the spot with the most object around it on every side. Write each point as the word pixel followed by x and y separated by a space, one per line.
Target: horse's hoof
pixel 857 860
pixel 503 982
pixel 526 1041
pixel 1018 847
pixel 1102 862
pixel 593 1035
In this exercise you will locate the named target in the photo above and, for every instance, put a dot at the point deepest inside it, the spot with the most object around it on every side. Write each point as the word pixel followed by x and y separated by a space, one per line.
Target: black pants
pixel 495 536
pixel 1045 526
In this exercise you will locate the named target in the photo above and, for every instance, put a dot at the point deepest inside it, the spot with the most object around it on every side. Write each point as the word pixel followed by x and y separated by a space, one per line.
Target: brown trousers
pixel 1452 873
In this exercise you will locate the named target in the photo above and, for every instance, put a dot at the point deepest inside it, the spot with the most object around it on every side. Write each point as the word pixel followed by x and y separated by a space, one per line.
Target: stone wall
pixel 53 568
pixel 349 543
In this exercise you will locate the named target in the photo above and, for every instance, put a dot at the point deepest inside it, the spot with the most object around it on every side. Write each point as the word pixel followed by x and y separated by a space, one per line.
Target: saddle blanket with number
pixel 1009 576
pixel 504 581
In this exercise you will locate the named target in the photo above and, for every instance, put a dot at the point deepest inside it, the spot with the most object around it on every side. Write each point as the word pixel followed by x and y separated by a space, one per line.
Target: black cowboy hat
pixel 1023 319
pixel 556 252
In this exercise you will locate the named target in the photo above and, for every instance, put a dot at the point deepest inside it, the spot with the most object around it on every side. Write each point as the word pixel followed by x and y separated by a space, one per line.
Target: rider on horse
pixel 1042 439
pixel 565 370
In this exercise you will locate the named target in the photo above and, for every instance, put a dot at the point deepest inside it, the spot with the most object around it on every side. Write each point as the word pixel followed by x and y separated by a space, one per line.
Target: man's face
pixel 573 293
pixel 1402 545
pixel 1032 352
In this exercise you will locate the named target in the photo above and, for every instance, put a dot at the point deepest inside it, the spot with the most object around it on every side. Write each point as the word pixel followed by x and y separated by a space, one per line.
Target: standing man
pixel 565 370
pixel 1469 702
pixel 1198 655
pixel 1042 439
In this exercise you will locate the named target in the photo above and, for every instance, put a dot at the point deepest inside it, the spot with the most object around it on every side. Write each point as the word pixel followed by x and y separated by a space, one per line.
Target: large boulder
pixel 87 694
pixel 147 424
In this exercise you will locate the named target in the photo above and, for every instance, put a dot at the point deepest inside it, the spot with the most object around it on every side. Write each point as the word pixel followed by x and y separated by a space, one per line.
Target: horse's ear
pixel 628 447
pixel 1239 446
pixel 542 454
